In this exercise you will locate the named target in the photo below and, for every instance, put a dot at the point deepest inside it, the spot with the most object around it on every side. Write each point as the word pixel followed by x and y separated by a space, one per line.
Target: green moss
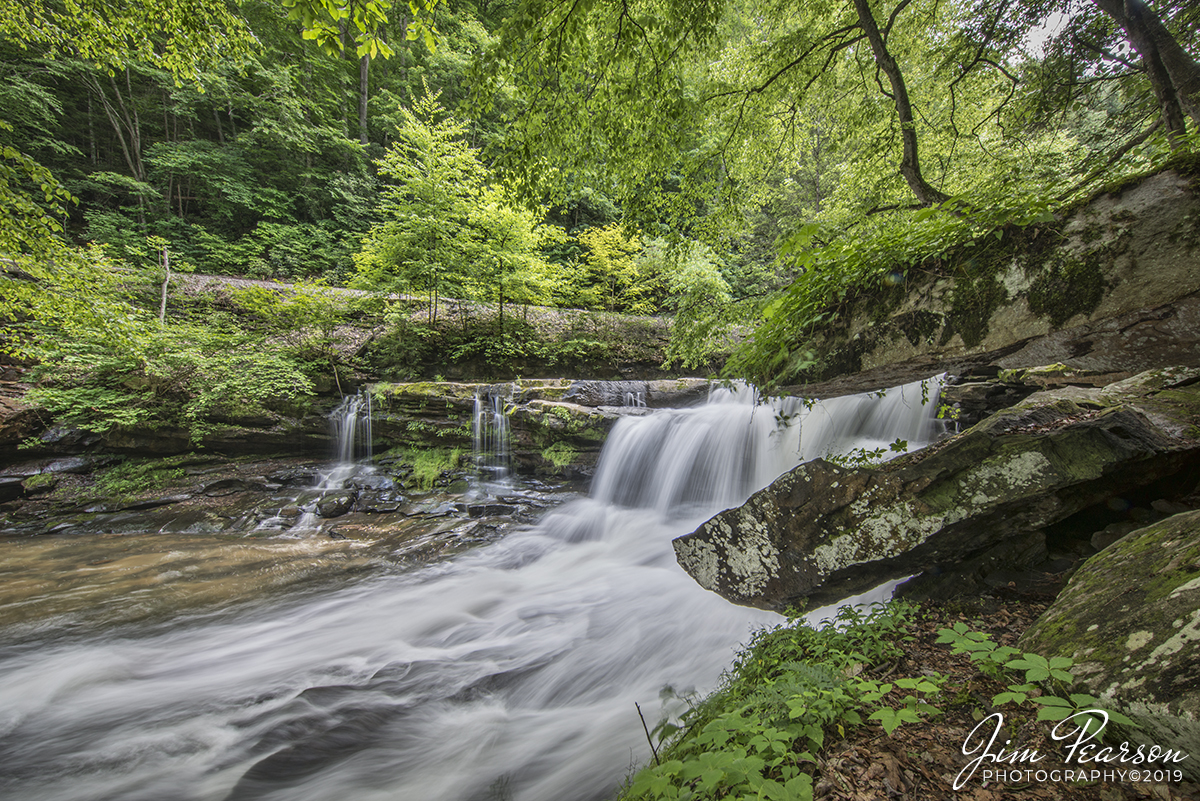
pixel 134 477
pixel 973 301
pixel 919 326
pixel 40 481
pixel 428 464
pixel 551 393
pixel 1068 288
pixel 560 454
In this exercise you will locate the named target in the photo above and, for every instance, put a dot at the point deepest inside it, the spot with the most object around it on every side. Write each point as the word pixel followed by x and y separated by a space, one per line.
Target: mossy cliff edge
pixel 1113 287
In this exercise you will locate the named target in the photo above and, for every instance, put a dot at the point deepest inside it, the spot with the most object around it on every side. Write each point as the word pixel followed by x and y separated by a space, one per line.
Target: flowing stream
pixel 508 673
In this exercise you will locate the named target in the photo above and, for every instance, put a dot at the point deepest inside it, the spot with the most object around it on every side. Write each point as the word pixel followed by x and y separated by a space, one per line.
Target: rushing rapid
pixel 508 673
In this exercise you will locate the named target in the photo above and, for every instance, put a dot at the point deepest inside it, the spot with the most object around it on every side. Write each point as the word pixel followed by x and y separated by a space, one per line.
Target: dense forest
pixel 735 164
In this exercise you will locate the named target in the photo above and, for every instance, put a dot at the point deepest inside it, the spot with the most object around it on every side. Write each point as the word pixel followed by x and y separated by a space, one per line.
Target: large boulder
pixel 822 532
pixel 1130 618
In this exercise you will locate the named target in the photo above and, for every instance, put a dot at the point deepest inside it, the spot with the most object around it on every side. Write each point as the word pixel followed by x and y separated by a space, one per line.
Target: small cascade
pixel 714 456
pixel 490 437
pixel 637 399
pixel 350 425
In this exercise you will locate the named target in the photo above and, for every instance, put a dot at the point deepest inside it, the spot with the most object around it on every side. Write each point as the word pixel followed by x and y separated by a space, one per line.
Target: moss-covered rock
pixel 1113 286
pixel 556 425
pixel 1130 618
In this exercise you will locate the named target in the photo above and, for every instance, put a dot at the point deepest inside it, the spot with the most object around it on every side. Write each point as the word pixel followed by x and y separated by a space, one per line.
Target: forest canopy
pixel 736 163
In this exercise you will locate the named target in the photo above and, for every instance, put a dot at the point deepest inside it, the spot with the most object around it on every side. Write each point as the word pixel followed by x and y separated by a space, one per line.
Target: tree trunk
pixel 1178 72
pixel 910 162
pixel 162 308
pixel 364 65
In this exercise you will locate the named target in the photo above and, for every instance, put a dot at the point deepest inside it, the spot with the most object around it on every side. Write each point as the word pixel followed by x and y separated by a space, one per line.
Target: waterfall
pixel 637 399
pixel 490 437
pixel 509 672
pixel 350 425
pixel 716 455
pixel 350 429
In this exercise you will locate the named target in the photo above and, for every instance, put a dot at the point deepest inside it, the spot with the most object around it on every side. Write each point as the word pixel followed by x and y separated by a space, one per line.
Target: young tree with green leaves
pixel 435 182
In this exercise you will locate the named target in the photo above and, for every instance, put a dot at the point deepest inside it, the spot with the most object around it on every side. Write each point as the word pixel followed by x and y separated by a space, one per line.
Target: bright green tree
pixel 619 281
pixel 435 183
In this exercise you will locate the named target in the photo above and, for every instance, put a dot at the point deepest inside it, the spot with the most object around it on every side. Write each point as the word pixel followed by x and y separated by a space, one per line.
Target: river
pixel 509 672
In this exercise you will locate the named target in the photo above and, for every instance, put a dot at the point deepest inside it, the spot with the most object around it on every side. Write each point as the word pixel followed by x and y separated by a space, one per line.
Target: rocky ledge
pixel 1130 618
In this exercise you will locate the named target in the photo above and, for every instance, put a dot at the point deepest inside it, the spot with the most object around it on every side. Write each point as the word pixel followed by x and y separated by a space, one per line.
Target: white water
pixel 350 427
pixel 490 438
pixel 509 673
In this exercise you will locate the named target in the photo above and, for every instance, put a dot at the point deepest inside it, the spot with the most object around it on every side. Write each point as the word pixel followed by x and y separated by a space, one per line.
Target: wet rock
pixel 153 503
pixel 485 509
pixel 821 532
pixel 70 464
pixel 66 438
pixel 226 486
pixel 1130 618
pixel 11 489
pixel 433 508
pixel 372 481
pixel 335 504
pixel 380 502
pixel 293 477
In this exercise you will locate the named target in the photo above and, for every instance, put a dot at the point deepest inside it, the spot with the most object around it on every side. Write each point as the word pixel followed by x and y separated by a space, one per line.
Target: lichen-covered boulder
pixel 821 533
pixel 1130 617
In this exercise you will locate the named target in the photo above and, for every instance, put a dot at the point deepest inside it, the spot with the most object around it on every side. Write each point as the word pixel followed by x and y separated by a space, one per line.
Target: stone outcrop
pixel 1130 618
pixel 1113 287
pixel 822 532
pixel 556 425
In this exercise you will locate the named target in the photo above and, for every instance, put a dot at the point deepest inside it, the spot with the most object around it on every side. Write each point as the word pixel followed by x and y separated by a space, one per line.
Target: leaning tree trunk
pixel 910 162
pixel 1178 74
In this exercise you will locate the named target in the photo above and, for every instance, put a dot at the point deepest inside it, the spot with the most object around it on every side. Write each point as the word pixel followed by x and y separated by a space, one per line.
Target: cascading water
pixel 490 437
pixel 508 673
pixel 350 427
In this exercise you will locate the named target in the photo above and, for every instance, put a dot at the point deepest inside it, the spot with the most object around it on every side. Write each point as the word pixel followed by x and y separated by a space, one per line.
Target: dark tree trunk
pixel 910 162
pixel 1174 75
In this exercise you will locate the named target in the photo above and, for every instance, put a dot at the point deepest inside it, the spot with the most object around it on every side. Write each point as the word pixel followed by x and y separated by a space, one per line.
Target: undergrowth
pixel 795 688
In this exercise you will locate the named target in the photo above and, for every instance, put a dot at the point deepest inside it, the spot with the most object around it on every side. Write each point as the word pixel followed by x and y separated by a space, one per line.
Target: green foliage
pixel 794 687
pixel 1042 679
pixel 131 478
pixel 867 457
pixel 705 315
pixel 186 376
pixel 178 37
pixel 788 690
pixel 949 237
pixel 616 281
pixel 436 180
